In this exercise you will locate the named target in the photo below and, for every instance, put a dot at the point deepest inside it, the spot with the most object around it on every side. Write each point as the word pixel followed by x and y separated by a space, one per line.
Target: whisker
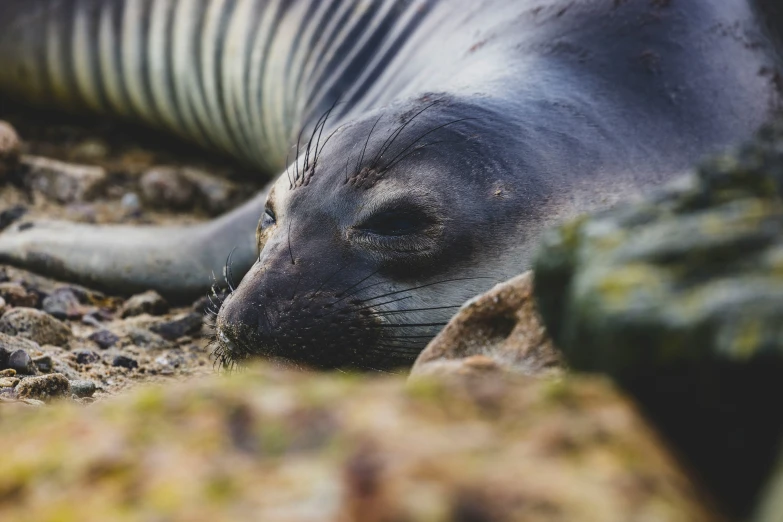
pixel 296 164
pixel 382 304
pixel 327 281
pixel 409 337
pixel 415 325
pixel 393 137
pixel 227 271
pixel 364 150
pixel 409 310
pixel 318 124
pixel 439 127
pixel 414 151
pixel 290 252
pixel 318 141
pixel 425 286
pixel 355 285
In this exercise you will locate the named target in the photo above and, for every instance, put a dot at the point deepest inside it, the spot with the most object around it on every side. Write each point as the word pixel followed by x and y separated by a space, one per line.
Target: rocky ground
pixel 87 170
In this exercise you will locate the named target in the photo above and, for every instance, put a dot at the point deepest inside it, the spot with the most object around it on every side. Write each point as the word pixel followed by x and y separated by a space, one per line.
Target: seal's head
pixel 375 237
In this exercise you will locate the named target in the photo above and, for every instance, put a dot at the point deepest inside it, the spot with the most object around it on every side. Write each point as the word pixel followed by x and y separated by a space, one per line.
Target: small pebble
pixel 35 325
pixel 149 302
pixel 147 339
pixel 86 357
pixel 8 382
pixel 63 182
pixel 125 362
pixel 44 388
pixel 166 187
pixel 21 362
pixel 63 304
pixel 90 150
pixel 8 372
pixel 131 204
pixel 44 363
pixel 9 148
pixel 15 294
pixel 83 389
pixel 186 324
pixel 104 339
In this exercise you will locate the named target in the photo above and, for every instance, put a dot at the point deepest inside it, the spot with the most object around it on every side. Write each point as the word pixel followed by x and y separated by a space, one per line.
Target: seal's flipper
pixel 178 262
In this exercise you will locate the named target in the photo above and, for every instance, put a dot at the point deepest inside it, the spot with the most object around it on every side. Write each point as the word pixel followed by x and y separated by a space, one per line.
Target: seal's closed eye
pixel 396 222
pixel 268 219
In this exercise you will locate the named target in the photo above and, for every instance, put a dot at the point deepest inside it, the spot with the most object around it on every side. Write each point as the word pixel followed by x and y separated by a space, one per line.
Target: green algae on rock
pixel 274 445
pixel 680 297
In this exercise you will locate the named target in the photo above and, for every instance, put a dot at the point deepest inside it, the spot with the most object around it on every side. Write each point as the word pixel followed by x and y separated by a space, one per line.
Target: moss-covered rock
pixel 680 297
pixel 272 445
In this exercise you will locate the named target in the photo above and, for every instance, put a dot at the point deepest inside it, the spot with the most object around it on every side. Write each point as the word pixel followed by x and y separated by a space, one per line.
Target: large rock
pixel 497 331
pixel 680 297
pixel 36 326
pixel 275 445
pixel 44 388
pixel 149 302
pixel 63 182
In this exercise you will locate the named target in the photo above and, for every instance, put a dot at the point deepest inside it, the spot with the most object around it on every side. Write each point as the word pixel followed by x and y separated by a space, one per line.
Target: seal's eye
pixel 268 219
pixel 396 222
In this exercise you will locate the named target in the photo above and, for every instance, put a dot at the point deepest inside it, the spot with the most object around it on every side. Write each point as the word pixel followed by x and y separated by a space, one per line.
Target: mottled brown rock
pixel 15 294
pixel 273 445
pixel 36 326
pixel 179 326
pixel 216 195
pixel 497 331
pixel 64 304
pixel 168 188
pixel 63 182
pixel 8 382
pixel 10 344
pixel 44 388
pixel 149 302
pixel 9 148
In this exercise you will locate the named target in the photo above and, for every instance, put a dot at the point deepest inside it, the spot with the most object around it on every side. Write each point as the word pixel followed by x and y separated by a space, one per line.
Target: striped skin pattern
pixel 242 76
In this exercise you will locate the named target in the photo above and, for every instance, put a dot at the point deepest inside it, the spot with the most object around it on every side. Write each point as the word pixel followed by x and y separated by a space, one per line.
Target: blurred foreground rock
pixel 499 331
pixel 272 445
pixel 680 298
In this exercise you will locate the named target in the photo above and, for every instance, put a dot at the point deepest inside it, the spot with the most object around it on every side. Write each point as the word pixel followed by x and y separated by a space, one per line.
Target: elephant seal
pixel 433 141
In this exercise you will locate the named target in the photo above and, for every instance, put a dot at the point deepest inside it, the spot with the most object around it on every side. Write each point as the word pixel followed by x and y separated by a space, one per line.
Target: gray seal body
pixel 434 140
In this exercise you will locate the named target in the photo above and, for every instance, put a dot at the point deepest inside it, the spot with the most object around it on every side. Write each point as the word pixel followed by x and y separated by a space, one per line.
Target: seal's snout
pixel 267 316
